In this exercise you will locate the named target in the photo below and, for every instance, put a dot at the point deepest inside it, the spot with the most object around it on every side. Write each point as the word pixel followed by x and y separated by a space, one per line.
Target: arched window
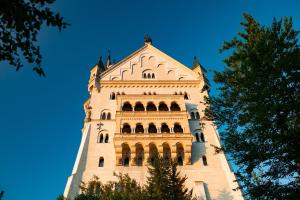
pixel 103 116
pixel 126 155
pixel 165 128
pixel 193 115
pixel 180 154
pixel 180 93
pixel 118 93
pixel 139 107
pixel 197 115
pixel 166 151
pixel 149 75
pixel 175 93
pixel 177 128
pixel 144 75
pixel 100 138
pixel 126 107
pixel 154 93
pixel 151 107
pixel 202 137
pixel 153 76
pixel 152 128
pixel 149 93
pixel 204 160
pixel 106 138
pixel 113 96
pixel 197 137
pixel 174 107
pixel 163 107
pixel 152 152
pixel 101 162
pixel 126 128
pixel 145 93
pixel 139 154
pixel 186 96
pixel 123 93
pixel 108 116
pixel 139 128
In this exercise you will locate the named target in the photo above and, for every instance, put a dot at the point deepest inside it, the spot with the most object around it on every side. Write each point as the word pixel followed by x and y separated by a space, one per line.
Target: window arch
pixel 139 128
pixel 139 157
pixel 180 154
pixel 149 76
pixel 103 116
pixel 139 107
pixel 177 128
pixel 126 128
pixel 151 106
pixel 152 152
pixel 153 76
pixel 100 138
pixel 186 96
pixel 101 162
pixel 145 75
pixel 197 137
pixel 112 96
pixel 166 151
pixel 106 138
pixel 202 137
pixel 204 160
pixel 165 128
pixel 108 116
pixel 174 106
pixel 197 115
pixel 127 107
pixel 123 93
pixel 118 93
pixel 126 154
pixel 152 128
pixel 175 93
pixel 193 116
pixel 163 107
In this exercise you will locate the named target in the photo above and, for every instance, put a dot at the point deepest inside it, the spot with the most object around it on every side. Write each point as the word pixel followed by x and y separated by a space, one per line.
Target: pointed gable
pixel 148 63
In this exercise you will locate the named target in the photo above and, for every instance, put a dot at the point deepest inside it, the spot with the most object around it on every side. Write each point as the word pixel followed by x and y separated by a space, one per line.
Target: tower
pixel 149 101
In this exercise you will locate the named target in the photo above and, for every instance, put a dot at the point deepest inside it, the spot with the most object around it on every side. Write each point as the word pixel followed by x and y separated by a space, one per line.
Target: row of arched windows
pixel 150 93
pixel 195 115
pixel 105 116
pixel 113 95
pixel 139 156
pixel 139 128
pixel 148 75
pixel 139 159
pixel 102 139
pixel 185 95
pixel 150 107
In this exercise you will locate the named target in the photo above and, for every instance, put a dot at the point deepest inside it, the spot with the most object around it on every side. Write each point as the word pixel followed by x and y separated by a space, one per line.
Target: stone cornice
pixel 150 83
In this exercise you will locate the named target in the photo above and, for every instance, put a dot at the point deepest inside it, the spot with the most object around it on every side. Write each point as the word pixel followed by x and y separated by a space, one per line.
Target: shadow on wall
pixel 224 195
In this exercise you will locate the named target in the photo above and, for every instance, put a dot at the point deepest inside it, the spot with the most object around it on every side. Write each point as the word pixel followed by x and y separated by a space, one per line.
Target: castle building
pixel 149 101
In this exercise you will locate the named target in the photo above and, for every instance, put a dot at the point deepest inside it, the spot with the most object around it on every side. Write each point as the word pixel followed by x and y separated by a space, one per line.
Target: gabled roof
pixel 154 49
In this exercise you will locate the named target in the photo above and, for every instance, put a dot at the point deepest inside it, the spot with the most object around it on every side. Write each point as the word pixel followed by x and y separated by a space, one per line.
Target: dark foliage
pixel 20 22
pixel 258 108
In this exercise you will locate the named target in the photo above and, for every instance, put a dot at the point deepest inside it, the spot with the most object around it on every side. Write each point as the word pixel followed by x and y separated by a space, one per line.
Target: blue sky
pixel 41 118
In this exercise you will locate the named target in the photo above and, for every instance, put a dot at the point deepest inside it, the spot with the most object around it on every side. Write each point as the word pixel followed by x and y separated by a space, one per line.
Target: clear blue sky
pixel 41 118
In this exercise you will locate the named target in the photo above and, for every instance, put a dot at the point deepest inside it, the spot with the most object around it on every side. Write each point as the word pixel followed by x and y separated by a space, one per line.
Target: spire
pixel 196 63
pixel 108 62
pixel 100 64
pixel 147 39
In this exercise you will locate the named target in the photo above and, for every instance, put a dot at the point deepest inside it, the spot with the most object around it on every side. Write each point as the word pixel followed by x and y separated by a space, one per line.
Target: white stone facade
pixel 149 100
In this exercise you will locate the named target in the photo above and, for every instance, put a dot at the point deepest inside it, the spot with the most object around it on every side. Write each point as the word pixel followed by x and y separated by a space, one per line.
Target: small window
pixel 108 116
pixel 126 162
pixel 101 162
pixel 186 96
pixel 106 138
pixel 153 76
pixel 180 161
pixel 197 137
pixel 103 116
pixel 204 160
pixel 149 76
pixel 197 115
pixel 193 115
pixel 202 137
pixel 101 138
pixel 145 75
pixel 113 96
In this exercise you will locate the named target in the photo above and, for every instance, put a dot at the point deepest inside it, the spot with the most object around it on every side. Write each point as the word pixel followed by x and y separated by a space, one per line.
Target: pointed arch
pixel 127 106
pixel 186 96
pixel 151 106
pixel 103 116
pixel 108 117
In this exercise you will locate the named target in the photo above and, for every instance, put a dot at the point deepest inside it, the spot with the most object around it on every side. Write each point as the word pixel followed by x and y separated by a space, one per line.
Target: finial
pixel 196 63
pixel 147 39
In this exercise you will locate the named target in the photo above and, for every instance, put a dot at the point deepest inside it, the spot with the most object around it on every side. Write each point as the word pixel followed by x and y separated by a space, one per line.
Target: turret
pixel 201 71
